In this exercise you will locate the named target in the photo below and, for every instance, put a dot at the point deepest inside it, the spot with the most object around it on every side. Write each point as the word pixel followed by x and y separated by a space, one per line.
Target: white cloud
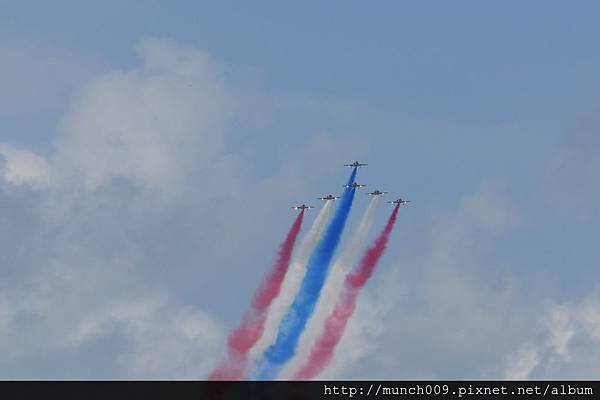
pixel 167 341
pixel 151 125
pixel 89 262
pixel 566 347
pixel 23 167
pixel 560 330
pixel 521 363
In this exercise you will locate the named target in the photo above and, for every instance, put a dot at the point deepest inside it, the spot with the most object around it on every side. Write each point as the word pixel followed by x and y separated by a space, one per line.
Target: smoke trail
pixel 292 281
pixel 352 177
pixel 295 319
pixel 332 289
pixel 335 324
pixel 241 340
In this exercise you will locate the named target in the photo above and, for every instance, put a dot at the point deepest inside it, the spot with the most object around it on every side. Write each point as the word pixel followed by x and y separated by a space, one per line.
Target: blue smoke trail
pixel 293 323
pixel 352 177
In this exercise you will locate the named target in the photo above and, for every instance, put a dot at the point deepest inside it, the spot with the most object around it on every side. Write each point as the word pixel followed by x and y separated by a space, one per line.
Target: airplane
pixel 376 193
pixel 354 185
pixel 399 201
pixel 302 207
pixel 328 197
pixel 355 164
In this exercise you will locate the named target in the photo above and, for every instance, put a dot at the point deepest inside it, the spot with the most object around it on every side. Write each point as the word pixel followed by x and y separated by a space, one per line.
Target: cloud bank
pixel 112 263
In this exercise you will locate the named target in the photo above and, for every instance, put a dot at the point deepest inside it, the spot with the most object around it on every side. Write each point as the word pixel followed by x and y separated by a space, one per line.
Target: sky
pixel 149 154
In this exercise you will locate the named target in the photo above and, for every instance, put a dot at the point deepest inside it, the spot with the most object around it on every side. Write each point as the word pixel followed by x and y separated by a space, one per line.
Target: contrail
pixel 332 289
pixel 335 324
pixel 294 320
pixel 241 340
pixel 292 281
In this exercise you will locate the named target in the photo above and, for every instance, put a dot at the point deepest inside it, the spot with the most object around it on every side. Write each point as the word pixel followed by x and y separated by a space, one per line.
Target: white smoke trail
pixel 291 283
pixel 331 290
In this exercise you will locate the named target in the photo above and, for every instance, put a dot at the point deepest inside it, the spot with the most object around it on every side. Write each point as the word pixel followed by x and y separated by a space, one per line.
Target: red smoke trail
pixel 335 324
pixel 241 340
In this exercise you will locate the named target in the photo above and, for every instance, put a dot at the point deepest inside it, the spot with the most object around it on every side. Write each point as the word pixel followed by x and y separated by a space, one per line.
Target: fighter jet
pixel 354 185
pixel 302 207
pixel 328 197
pixel 376 193
pixel 355 164
pixel 399 201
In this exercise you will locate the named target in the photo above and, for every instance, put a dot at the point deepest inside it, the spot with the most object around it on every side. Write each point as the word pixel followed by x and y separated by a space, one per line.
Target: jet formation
pixel 353 185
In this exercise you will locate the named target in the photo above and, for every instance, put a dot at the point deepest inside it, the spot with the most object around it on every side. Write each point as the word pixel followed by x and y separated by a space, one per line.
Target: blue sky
pixel 485 115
